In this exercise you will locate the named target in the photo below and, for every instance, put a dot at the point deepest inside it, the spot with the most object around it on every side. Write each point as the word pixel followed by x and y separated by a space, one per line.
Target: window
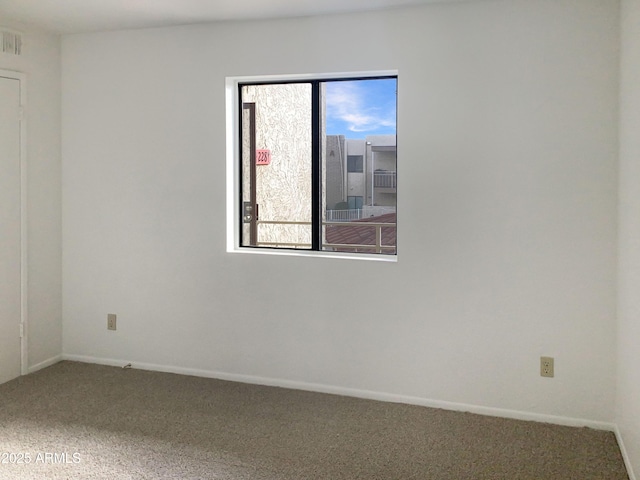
pixel 354 163
pixel 354 203
pixel 298 143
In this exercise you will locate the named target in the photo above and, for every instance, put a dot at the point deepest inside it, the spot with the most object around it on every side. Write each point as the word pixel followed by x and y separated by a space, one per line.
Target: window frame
pixel 234 199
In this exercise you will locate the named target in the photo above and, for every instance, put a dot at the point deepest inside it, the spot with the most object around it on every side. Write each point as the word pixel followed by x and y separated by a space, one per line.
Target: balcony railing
pixel 375 247
pixel 344 215
pixel 383 179
pixel 358 213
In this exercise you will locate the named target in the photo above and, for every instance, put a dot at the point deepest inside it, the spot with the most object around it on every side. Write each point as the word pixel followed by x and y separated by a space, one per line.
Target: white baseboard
pixel 45 364
pixel 625 454
pixel 351 392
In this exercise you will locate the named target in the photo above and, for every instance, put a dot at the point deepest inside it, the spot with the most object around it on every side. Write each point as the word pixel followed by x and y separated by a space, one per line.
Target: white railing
pixel 344 215
pixel 384 179
pixel 358 213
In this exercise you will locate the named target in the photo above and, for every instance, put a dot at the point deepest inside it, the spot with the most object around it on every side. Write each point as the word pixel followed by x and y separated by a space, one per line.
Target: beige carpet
pixel 81 421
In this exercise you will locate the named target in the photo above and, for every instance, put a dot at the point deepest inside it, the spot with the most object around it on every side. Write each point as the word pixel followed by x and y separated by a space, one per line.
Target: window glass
pixel 354 163
pixel 276 165
pixel 319 165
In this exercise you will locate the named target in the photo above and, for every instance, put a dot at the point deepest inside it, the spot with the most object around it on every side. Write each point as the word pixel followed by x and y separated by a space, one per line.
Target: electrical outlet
pixel 111 321
pixel 546 366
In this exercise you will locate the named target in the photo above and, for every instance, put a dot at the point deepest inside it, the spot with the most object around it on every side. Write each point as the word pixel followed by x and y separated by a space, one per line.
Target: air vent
pixel 10 42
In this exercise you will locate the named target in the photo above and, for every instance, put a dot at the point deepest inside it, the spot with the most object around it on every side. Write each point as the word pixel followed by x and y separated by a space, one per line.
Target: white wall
pixel 507 164
pixel 40 61
pixel 629 243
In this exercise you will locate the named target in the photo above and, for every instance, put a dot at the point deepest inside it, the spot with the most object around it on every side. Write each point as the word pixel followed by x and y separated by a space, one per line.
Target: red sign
pixel 263 157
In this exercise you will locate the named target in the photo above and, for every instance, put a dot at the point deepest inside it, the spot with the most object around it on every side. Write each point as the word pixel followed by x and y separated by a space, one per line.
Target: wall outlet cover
pixel 546 367
pixel 111 321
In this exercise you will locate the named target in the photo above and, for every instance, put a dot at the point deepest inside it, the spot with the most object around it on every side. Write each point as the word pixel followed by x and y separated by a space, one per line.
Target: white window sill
pixel 318 254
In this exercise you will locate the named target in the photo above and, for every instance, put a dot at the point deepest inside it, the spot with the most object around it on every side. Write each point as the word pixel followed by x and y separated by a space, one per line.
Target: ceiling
pixel 77 16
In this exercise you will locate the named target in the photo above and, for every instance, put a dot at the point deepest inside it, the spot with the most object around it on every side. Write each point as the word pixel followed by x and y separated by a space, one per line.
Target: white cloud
pixel 348 102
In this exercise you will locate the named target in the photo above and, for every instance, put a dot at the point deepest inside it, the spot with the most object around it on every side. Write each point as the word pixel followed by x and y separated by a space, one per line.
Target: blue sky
pixel 359 108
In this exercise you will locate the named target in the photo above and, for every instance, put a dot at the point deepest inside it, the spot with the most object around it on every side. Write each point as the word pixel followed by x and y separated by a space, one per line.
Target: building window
pixel 298 142
pixel 354 163
pixel 354 203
